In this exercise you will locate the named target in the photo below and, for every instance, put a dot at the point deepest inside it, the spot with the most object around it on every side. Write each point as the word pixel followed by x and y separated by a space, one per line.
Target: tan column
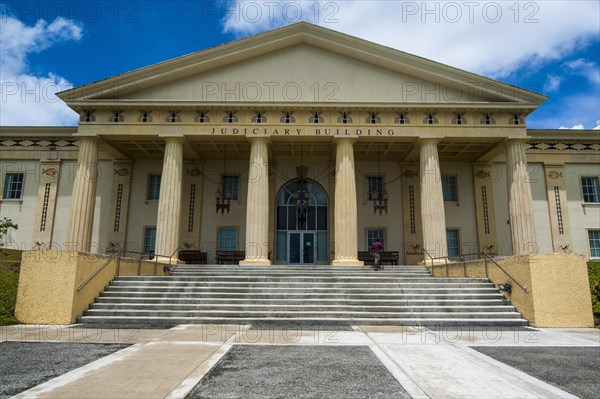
pixel 520 207
pixel 557 207
pixel 432 201
pixel 81 217
pixel 46 204
pixel 257 205
pixel 345 212
pixel 169 200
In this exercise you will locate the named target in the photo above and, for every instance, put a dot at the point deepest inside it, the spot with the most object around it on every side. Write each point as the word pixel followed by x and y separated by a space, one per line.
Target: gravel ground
pixel 24 365
pixel 292 372
pixel 575 370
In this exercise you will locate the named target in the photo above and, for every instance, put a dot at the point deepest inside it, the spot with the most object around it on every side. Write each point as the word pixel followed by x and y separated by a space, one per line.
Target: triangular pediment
pixel 301 64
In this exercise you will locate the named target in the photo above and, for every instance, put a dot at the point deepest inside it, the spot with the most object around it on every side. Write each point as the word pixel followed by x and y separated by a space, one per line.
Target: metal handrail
pixel 486 256
pixel 86 282
pixel 428 254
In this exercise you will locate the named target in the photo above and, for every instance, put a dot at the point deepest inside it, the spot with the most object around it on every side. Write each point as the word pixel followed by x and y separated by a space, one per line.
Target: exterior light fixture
pixel 301 196
pixel 223 201
pixel 380 203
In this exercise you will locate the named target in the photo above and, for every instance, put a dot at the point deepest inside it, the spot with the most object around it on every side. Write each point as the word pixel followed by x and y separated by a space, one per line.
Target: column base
pixel 347 262
pixel 255 262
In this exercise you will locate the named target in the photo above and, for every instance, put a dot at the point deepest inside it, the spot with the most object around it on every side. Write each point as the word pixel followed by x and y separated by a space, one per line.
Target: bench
pixel 390 257
pixel 230 257
pixel 193 257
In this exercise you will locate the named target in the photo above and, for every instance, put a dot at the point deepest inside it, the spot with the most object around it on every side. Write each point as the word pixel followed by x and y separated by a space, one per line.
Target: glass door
pixel 301 250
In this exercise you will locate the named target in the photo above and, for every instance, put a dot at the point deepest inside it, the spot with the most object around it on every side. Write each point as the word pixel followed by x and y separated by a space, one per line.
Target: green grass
pixel 594 274
pixel 9 280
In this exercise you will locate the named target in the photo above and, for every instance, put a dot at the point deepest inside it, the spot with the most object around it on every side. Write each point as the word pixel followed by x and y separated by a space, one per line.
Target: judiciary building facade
pixel 302 145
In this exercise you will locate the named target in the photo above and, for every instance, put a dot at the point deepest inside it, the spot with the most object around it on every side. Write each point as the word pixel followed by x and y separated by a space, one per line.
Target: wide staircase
pixel 397 295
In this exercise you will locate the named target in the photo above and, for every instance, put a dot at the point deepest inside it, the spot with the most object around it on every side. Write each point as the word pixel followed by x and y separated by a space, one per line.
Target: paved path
pixel 427 363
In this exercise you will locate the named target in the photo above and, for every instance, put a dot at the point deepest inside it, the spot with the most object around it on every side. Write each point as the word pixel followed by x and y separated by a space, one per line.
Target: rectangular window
pixel 230 185
pixel 374 185
pixel 149 240
pixel 375 234
pixel 13 186
pixel 590 189
pixel 153 187
pixel 594 239
pixel 449 189
pixel 227 239
pixel 453 242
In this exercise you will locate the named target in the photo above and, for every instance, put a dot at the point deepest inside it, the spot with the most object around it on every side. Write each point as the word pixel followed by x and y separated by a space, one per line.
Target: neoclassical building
pixel 302 145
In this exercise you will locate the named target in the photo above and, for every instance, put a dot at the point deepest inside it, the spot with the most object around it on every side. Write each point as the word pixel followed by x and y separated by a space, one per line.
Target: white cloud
pixel 28 98
pixel 588 69
pixel 579 126
pixel 489 37
pixel 597 125
pixel 552 84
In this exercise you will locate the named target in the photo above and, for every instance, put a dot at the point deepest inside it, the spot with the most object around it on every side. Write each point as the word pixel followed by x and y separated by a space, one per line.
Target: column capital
pixel 168 137
pixel 340 138
pixel 429 140
pixel 513 141
pixel 252 139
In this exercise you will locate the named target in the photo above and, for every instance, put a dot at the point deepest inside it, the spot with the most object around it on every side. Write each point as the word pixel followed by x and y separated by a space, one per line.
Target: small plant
pixel 5 225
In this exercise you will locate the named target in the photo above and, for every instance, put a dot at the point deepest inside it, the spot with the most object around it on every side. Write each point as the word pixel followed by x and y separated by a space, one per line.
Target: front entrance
pixel 302 224
pixel 302 249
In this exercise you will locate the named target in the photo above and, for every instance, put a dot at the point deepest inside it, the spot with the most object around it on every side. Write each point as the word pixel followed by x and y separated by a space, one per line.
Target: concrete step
pixel 316 301
pixel 426 322
pixel 390 307
pixel 340 314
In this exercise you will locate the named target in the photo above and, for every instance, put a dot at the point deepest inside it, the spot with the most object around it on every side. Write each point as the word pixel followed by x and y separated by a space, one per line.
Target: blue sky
pixel 552 47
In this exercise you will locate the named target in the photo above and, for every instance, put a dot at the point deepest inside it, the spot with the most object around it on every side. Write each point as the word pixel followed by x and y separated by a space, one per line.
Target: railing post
pixel 464 266
pixel 447 273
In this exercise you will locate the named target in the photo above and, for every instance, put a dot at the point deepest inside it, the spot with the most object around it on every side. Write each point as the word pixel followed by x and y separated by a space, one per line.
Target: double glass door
pixel 301 248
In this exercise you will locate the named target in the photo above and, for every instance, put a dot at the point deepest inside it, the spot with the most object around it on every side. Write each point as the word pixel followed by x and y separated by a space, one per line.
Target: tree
pixel 5 224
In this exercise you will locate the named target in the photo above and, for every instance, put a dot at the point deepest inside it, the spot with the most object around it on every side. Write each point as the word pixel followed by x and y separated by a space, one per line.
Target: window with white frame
pixel 376 234
pixel 13 186
pixel 230 184
pixel 153 187
pixel 227 239
pixel 449 189
pixel 590 189
pixel 374 185
pixel 594 241
pixel 453 242
pixel 149 240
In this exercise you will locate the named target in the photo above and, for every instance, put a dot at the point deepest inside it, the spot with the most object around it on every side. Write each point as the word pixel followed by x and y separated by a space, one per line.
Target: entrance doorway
pixel 302 224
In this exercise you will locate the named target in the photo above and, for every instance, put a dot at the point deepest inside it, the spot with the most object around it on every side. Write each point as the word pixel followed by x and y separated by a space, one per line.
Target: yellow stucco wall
pixel 49 281
pixel 559 294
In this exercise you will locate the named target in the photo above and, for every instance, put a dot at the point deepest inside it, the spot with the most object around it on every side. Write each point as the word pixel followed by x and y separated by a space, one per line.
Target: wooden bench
pixel 230 257
pixel 390 257
pixel 193 257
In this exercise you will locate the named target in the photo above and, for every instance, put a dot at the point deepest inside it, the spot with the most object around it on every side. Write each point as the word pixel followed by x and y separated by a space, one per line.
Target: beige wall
pixel 501 208
pixel 582 217
pixel 541 214
pixel 22 212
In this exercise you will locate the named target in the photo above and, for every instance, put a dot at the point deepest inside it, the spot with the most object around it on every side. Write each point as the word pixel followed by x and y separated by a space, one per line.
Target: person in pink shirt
pixel 376 249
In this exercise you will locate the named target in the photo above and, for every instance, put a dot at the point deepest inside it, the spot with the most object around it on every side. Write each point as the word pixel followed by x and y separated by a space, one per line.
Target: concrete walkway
pixel 427 363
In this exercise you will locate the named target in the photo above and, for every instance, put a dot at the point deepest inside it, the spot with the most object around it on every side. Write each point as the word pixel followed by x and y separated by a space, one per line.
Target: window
pixel 594 240
pixel 145 116
pixel 230 117
pixel 88 116
pixel 174 117
pixel 459 119
pixel 153 187
pixel 487 119
pixel 430 118
pixel 287 117
pixel 345 117
pixel 230 185
pixel 13 186
pixel 317 118
pixel 590 189
pixel 375 234
pixel 202 117
pixel 453 242
pixel 402 118
pixel 150 240
pixel 373 118
pixel 374 185
pixel 117 116
pixel 259 117
pixel 227 239
pixel 449 189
